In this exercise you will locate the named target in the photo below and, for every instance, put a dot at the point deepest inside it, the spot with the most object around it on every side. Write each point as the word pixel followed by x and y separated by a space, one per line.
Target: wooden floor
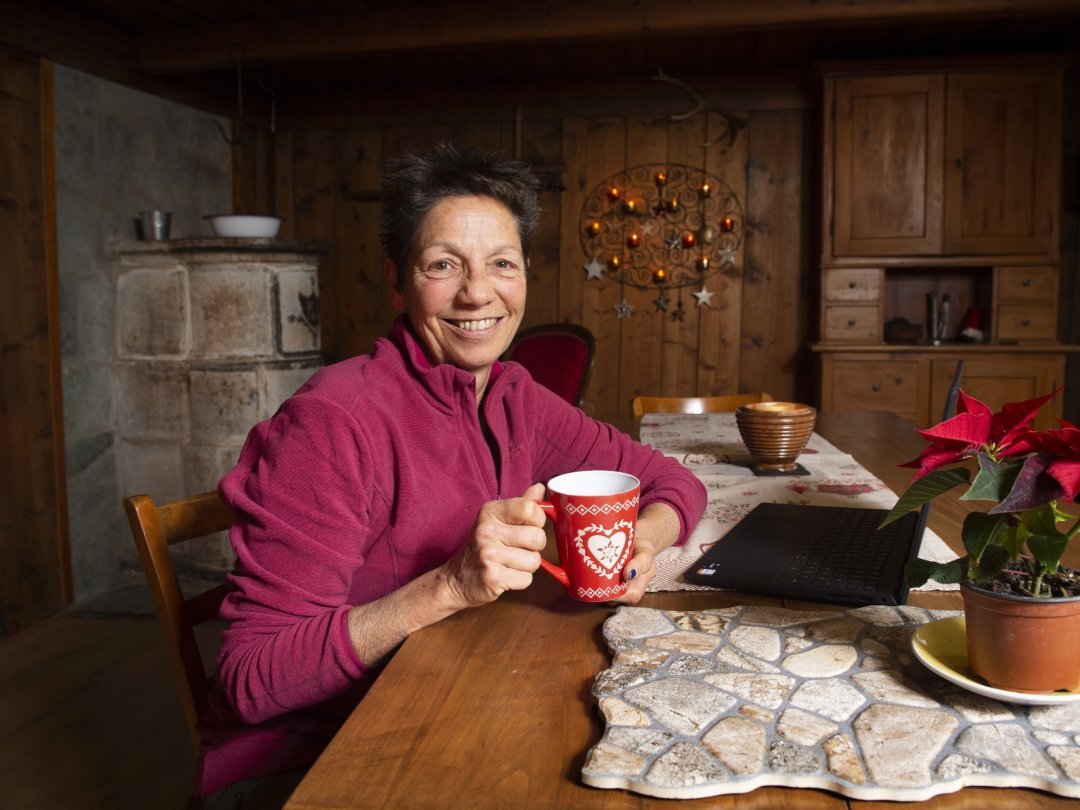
pixel 89 716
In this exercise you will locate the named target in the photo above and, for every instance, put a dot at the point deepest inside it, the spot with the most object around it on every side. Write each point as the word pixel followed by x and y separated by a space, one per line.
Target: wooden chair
pixel 154 529
pixel 720 404
pixel 559 356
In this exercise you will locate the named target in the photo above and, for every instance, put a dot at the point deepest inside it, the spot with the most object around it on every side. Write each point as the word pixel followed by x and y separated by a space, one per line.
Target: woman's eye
pixel 505 266
pixel 442 268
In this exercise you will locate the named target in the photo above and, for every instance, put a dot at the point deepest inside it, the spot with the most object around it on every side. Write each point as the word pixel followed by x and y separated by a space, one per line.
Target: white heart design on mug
pixel 607 548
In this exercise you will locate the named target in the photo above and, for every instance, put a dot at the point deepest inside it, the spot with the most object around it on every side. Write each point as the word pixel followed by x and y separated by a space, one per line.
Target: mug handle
pixel 557 572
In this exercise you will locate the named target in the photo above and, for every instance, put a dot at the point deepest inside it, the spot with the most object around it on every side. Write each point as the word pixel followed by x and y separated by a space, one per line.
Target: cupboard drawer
pixel 851 324
pixel 1027 283
pixel 853 284
pixel 1027 322
pixel 885 386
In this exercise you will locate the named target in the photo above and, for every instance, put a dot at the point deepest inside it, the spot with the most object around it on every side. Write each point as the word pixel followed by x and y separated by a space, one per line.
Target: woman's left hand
pixel 638 573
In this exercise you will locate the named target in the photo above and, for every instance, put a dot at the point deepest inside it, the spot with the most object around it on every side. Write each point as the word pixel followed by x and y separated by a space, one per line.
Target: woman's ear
pixel 397 295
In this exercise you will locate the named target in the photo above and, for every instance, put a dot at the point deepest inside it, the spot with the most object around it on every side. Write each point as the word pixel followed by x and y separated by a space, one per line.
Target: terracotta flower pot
pixel 1023 644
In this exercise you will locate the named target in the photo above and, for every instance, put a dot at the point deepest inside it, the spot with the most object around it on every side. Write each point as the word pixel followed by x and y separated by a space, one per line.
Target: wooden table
pixel 492 706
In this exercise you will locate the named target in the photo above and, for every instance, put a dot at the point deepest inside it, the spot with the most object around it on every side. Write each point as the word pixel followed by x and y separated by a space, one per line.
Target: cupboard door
pixel 1002 163
pixel 875 385
pixel 998 379
pixel 888 155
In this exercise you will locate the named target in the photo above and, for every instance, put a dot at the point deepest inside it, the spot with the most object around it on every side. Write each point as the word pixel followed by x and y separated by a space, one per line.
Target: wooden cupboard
pixel 949 163
pixel 912 381
pixel 940 182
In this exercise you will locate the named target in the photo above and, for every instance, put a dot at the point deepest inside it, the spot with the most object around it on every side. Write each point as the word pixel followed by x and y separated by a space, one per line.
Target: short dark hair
pixel 414 183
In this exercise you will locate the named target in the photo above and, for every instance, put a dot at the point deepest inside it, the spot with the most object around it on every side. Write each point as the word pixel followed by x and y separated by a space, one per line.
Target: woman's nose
pixel 476 286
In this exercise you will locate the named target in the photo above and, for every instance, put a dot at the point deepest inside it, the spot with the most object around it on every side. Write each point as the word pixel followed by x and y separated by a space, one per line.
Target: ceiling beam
pixel 495 22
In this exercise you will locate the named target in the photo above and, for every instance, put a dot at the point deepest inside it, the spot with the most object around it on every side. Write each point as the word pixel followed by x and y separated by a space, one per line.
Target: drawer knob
pixel 1026 282
pixel 1025 322
pixel 875 387
pixel 852 285
pixel 851 322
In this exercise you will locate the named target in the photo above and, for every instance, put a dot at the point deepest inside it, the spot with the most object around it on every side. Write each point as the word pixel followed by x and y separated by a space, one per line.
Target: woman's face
pixel 464 290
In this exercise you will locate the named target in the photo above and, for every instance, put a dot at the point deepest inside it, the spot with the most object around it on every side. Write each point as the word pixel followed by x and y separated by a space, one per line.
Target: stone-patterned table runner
pixel 709 445
pixel 724 701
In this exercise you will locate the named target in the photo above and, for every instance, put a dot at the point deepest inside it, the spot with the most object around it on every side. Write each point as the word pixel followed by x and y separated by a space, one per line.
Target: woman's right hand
pixel 502 552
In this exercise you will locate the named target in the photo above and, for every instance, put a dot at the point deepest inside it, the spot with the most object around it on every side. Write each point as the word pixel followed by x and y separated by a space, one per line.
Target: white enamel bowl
pixel 244 225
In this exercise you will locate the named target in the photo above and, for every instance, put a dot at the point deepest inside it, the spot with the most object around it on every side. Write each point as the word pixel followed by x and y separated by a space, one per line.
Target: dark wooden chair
pixel 559 356
pixel 154 528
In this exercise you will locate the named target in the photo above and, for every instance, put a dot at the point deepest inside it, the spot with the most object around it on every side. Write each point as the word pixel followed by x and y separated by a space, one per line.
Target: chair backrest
pixel 720 404
pixel 559 356
pixel 154 529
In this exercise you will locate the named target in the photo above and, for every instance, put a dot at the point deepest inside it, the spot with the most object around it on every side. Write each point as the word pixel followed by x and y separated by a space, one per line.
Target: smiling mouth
pixel 475 326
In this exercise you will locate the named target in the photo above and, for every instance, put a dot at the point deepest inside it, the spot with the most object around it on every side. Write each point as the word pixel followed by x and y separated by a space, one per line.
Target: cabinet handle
pixel 875 387
pixel 1026 282
pixel 851 322
pixel 958 163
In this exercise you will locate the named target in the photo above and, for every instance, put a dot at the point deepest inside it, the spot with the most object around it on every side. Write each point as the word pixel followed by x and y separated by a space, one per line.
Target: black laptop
pixel 833 553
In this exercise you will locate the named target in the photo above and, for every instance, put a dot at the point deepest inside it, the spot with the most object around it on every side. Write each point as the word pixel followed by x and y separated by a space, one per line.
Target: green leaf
pixel 925 489
pixel 1013 539
pixel 1047 549
pixel 981 531
pixel 1042 519
pixel 919 571
pixel 991 563
pixel 993 481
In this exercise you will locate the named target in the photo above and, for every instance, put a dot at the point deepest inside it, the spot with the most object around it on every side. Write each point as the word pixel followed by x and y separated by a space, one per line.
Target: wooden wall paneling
pixel 542 149
pixel 604 155
pixel 720 322
pixel 680 336
pixel 253 164
pixel 490 136
pixel 775 310
pixel 641 350
pixel 313 166
pixel 571 275
pixel 362 290
pixel 35 577
pixel 284 175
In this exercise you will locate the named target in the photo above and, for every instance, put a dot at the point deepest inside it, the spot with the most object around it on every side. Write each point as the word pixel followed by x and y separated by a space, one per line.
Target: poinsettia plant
pixel 1026 474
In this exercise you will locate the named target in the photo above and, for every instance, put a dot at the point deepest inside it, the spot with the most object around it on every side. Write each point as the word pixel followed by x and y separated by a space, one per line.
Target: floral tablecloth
pixel 710 446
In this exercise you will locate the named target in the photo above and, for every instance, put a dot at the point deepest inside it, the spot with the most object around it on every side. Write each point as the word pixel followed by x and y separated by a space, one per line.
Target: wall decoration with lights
pixel 663 227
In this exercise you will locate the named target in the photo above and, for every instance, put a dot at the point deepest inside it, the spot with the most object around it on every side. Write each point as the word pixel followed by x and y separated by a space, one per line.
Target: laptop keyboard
pixel 849 553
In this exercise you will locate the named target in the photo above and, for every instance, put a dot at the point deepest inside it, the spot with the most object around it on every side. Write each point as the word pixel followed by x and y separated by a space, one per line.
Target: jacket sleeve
pixel 299 494
pixel 568 439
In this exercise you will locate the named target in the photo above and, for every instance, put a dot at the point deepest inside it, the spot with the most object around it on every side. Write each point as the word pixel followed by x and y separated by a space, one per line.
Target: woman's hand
pixel 501 554
pixel 638 572
pixel 657 528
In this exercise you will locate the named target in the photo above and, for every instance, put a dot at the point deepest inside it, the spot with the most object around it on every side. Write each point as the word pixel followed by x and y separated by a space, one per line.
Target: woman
pixel 397 488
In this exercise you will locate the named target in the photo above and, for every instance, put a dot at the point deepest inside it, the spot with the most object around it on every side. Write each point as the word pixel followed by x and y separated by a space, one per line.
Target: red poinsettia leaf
pixel 964 430
pixel 1014 417
pixel 934 457
pixel 1066 472
pixel 1027 441
pixel 1069 437
pixel 1032 487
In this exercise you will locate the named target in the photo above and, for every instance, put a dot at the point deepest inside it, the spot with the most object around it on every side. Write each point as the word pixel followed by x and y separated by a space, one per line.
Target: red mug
pixel 595 517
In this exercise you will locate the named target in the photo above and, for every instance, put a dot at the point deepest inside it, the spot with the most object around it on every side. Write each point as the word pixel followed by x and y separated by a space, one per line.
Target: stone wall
pixel 118 151
pixel 212 335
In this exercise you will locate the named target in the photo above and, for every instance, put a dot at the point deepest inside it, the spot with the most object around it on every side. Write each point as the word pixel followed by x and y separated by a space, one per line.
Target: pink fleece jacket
pixel 370 475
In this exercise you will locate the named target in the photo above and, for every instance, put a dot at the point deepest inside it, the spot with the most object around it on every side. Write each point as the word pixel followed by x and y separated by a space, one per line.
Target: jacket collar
pixel 450 386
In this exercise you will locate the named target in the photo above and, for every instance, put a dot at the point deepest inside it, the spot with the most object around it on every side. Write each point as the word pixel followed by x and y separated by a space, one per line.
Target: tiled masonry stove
pixel 212 335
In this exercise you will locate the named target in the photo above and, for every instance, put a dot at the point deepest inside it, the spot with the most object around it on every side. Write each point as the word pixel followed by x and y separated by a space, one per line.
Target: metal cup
pixel 155 225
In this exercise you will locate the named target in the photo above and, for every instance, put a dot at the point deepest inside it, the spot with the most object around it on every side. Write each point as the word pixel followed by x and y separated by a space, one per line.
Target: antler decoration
pixel 734 122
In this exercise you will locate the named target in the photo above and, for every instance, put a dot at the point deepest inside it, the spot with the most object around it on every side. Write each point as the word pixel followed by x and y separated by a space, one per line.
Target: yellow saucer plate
pixel 942 647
